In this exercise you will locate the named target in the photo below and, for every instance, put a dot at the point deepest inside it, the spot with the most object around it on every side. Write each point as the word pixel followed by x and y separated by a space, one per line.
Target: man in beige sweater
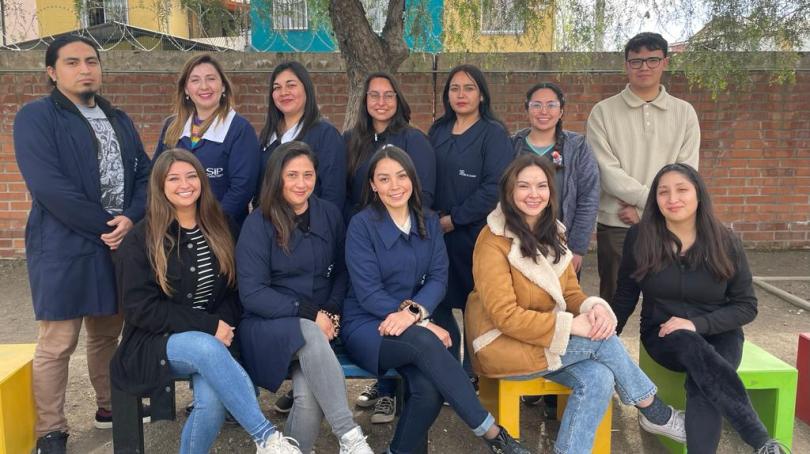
pixel 633 134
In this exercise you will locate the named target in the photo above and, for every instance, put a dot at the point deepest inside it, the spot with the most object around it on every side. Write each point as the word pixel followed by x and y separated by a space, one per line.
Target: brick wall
pixel 755 150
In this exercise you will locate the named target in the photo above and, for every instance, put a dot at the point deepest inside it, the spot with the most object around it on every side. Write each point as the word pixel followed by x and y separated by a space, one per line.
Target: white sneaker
pixel 675 428
pixel 277 443
pixel 354 442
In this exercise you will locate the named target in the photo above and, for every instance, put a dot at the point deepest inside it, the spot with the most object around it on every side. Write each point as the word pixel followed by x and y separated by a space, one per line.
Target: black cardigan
pixel 694 294
pixel 140 366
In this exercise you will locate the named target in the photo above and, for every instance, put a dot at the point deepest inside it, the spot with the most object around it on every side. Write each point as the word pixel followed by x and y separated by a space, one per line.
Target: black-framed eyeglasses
pixel 652 62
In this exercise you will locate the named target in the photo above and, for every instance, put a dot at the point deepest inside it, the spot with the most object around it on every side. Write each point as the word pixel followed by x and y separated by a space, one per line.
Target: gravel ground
pixel 775 330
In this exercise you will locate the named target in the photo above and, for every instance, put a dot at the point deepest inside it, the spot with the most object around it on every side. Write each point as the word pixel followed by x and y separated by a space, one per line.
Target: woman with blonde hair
pixel 176 276
pixel 204 122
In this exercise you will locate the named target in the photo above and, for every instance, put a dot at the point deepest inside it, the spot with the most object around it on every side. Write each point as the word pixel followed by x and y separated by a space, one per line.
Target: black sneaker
pixel 368 397
pixel 505 444
pixel 384 410
pixel 52 443
pixel 104 417
pixel 284 403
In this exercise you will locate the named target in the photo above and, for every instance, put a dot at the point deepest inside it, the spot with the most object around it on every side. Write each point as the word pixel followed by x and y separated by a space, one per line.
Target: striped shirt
pixel 202 268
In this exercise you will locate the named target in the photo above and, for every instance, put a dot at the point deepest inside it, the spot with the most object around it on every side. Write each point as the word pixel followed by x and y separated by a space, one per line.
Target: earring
pixel 223 94
pixel 187 98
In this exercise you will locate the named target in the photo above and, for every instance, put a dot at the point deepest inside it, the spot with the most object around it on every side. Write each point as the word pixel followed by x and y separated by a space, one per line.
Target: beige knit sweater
pixel 632 139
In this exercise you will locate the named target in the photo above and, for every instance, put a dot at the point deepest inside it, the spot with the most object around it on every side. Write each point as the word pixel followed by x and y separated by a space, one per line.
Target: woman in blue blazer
pixel 292 281
pixel 204 122
pixel 384 118
pixel 292 114
pixel 398 267
pixel 472 150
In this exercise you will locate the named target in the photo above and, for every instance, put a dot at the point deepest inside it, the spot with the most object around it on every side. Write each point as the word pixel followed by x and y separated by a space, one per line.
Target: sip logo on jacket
pixel 214 172
pixel 463 173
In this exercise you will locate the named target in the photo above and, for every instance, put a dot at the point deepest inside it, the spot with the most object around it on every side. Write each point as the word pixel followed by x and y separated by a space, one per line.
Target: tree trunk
pixel 363 50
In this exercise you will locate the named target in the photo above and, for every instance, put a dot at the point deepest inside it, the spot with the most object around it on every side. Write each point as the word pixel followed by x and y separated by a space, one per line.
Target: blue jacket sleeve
pixel 432 293
pixel 243 169
pixel 140 182
pixel 331 154
pixel 498 153
pixel 254 265
pixel 36 151
pixel 424 159
pixel 587 207
pixel 628 290
pixel 364 271
pixel 340 283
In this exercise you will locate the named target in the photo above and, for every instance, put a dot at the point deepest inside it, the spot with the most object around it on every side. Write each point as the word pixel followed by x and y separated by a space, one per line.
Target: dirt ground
pixel 775 329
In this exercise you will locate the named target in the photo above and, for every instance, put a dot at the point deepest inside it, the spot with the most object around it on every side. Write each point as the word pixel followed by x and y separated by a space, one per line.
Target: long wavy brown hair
pixel 274 206
pixel 161 239
pixel 183 108
pixel 544 238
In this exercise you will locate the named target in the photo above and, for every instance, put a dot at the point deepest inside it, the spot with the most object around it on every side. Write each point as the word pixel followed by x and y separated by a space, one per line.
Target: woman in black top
pixel 697 296
pixel 177 279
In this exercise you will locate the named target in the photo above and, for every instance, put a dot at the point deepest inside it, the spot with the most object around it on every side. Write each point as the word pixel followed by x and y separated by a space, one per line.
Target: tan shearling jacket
pixel 518 316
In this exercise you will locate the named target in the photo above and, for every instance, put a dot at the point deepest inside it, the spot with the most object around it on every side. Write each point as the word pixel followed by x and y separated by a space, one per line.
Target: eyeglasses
pixel 652 62
pixel 537 105
pixel 387 96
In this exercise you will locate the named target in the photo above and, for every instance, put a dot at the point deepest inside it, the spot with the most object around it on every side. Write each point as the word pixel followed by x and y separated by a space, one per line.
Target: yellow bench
pixel 502 398
pixel 17 413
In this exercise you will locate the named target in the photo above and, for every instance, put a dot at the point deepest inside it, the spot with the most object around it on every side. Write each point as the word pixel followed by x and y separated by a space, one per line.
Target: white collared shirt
pixel 216 132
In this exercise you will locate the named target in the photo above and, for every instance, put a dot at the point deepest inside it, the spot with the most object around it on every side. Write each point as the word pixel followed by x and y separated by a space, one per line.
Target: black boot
pixel 503 443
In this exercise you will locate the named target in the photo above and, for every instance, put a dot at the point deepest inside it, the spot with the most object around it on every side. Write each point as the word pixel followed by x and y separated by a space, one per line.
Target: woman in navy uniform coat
pixel 398 268
pixel 292 114
pixel 292 281
pixel 384 118
pixel 472 150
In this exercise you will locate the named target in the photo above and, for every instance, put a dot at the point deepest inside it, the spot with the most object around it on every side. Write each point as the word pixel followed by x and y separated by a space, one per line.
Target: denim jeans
pixel 592 369
pixel 713 388
pixel 319 390
pixel 432 376
pixel 220 383
pixel 443 316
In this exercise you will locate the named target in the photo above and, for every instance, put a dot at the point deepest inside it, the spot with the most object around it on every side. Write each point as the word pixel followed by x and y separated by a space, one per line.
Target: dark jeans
pixel 432 376
pixel 609 244
pixel 713 388
pixel 443 316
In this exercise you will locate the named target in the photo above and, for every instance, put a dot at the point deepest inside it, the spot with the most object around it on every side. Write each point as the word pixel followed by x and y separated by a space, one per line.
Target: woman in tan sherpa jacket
pixel 527 316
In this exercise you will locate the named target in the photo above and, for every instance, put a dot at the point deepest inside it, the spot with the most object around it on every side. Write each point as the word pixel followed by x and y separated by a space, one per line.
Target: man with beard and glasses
pixel 85 167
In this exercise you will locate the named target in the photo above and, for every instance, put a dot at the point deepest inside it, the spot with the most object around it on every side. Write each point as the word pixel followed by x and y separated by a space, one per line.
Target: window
pixel 500 17
pixel 290 15
pixel 376 13
pixel 97 12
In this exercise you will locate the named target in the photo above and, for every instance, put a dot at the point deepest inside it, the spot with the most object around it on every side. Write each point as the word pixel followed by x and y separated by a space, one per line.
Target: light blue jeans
pixel 220 383
pixel 592 369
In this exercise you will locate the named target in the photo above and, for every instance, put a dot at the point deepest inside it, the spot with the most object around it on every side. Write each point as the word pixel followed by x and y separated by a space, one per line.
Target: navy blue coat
pixel 69 267
pixel 387 267
pixel 416 144
pixel 279 288
pixel 229 152
pixel 330 150
pixel 469 168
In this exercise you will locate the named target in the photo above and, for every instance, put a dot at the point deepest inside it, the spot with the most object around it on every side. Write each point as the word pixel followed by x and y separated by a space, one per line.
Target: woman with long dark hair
pixel 472 150
pixel 576 175
pixel 528 317
pixel 204 122
pixel 383 119
pixel 397 263
pixel 177 279
pixel 698 294
pixel 293 114
pixel 292 281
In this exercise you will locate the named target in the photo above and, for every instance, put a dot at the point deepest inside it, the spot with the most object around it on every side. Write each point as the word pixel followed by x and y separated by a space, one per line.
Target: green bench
pixel 770 382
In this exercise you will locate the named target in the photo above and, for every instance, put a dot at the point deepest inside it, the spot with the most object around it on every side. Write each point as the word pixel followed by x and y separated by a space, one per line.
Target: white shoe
pixel 675 428
pixel 354 442
pixel 277 443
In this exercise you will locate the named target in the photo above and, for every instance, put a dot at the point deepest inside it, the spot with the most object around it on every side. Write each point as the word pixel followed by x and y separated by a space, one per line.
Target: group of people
pixel 240 260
